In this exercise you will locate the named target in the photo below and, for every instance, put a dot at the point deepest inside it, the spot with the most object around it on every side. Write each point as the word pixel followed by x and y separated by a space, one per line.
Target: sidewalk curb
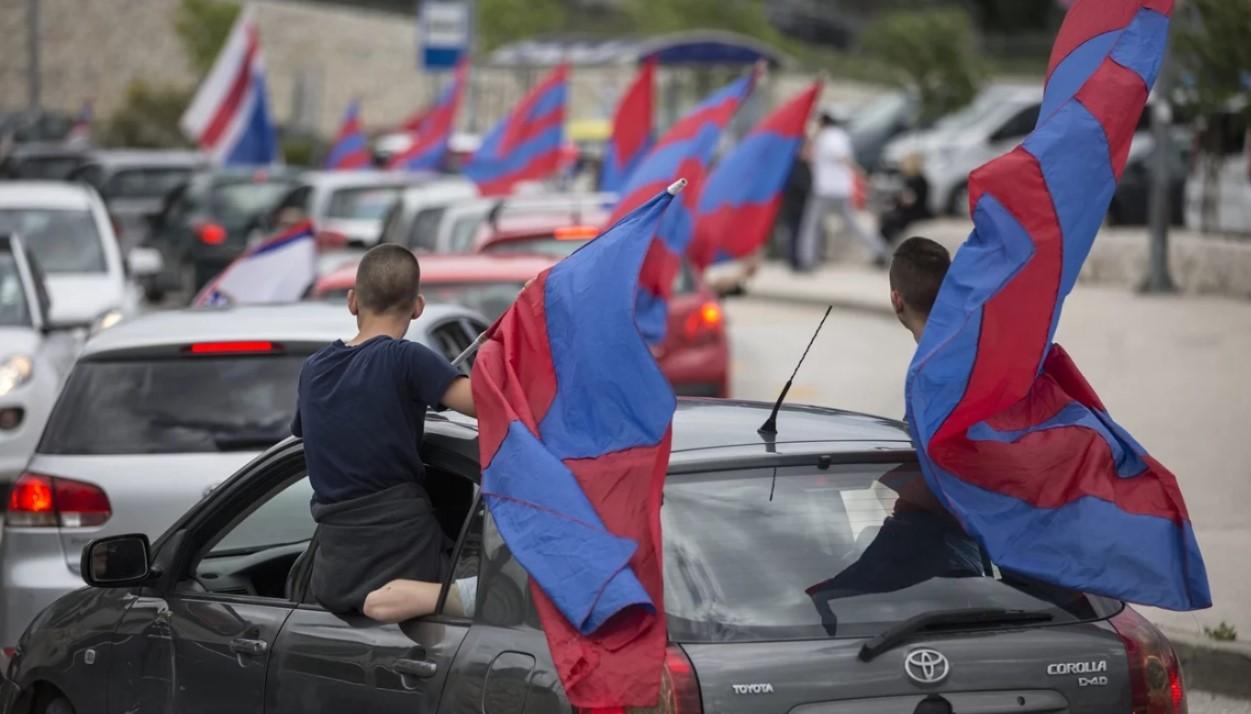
pixel 841 302
pixel 1218 667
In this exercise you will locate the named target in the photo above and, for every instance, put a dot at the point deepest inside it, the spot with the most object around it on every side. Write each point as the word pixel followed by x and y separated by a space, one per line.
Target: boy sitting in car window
pixel 362 407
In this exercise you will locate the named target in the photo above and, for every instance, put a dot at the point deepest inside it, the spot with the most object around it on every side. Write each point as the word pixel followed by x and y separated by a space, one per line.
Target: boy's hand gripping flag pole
pixel 1010 436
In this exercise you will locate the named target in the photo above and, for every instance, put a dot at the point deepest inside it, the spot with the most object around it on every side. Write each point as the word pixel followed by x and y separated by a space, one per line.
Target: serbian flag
pixel 277 270
pixel 350 150
pixel 743 193
pixel 525 145
pixel 574 434
pixel 685 151
pixel 631 130
pixel 1012 438
pixel 428 152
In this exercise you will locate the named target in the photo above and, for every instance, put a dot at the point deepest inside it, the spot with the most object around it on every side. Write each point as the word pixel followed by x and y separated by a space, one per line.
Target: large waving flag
pixel 277 270
pixel 741 196
pixel 574 433
pixel 350 150
pixel 685 151
pixel 631 130
pixel 428 151
pixel 1013 439
pixel 525 145
pixel 229 116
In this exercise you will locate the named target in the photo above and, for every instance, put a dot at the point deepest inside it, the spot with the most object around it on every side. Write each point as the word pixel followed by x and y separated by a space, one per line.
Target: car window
pixel 91 174
pixel 424 233
pixel 145 183
pixel 14 311
pixel 241 201
pixel 64 240
pixel 174 405
pixel 503 596
pixel 538 245
pixel 371 203
pixel 464 229
pixel 284 519
pixel 1021 124
pixel 488 299
pixel 845 551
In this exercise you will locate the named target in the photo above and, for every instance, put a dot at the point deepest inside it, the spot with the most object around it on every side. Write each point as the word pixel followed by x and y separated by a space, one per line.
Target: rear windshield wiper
pixel 948 620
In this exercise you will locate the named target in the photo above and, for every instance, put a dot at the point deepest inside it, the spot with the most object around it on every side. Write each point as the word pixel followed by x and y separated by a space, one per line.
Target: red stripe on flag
pixel 238 89
pixel 1109 91
pixel 632 123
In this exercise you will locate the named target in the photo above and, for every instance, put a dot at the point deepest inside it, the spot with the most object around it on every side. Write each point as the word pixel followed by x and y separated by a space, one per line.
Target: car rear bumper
pixel 33 573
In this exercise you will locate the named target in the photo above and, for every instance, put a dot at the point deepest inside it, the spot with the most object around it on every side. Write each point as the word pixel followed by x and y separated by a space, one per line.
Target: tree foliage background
pixel 932 52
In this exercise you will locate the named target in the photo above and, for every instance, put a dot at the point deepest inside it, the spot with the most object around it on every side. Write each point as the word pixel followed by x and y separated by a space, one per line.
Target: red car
pixel 695 354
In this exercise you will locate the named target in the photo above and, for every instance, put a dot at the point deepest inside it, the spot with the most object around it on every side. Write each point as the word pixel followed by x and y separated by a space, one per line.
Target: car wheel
pixel 60 705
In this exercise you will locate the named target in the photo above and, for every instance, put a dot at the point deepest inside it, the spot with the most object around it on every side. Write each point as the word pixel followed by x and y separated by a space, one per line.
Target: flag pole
pixel 674 189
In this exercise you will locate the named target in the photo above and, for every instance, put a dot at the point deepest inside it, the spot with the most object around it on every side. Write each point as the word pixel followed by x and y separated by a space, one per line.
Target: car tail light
pixel 210 234
pixel 1155 677
pixel 578 232
pixel 704 321
pixel 679 690
pixel 49 501
pixel 231 347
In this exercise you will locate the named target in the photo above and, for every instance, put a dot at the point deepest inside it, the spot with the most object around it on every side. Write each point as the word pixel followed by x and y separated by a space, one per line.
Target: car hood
pixel 19 340
pixel 81 298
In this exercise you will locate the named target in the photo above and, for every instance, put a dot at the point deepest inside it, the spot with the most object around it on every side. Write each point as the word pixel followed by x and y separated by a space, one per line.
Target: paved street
pixel 1174 371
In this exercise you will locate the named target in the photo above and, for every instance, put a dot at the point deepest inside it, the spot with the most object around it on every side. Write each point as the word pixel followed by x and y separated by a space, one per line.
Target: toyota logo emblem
pixel 926 666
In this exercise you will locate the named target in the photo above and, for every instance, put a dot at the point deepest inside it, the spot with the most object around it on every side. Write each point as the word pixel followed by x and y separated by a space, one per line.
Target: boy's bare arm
pixel 459 396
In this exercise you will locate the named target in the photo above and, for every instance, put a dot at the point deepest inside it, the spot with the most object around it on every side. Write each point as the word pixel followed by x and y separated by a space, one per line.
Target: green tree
pixel 203 26
pixel 746 17
pixel 148 118
pixel 501 21
pixel 932 52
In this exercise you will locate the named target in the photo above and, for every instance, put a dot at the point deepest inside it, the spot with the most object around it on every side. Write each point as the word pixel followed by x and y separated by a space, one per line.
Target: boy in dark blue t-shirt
pixel 362 408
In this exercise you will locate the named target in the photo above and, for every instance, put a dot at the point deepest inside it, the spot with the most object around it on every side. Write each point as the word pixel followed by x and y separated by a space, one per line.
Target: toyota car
pixel 805 573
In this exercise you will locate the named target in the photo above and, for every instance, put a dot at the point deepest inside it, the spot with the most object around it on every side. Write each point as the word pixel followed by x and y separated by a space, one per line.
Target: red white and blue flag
pixel 1012 438
pixel 685 150
pixel 350 150
pixel 277 270
pixel 741 196
pixel 229 116
pixel 632 134
pixel 433 130
pixel 525 145
pixel 574 434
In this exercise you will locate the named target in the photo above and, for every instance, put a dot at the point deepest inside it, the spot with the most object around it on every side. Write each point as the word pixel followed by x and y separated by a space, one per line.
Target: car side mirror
pixel 144 262
pixel 116 561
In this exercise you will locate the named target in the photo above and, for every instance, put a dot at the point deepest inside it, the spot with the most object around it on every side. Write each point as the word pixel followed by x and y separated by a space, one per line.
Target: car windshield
pixel 488 299
pixel 174 405
pixel 241 201
pixel 538 245
pixel 367 203
pixel 805 553
pixel 62 240
pixel 14 311
pixel 146 183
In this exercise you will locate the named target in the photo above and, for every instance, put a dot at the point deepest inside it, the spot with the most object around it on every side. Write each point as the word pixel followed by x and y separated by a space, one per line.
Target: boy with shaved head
pixel 362 408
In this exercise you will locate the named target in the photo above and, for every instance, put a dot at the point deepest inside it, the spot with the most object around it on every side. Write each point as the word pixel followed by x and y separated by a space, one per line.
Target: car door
pixel 204 644
pixel 323 662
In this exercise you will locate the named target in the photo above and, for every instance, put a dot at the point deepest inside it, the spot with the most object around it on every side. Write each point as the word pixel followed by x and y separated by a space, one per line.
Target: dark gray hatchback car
pixel 810 573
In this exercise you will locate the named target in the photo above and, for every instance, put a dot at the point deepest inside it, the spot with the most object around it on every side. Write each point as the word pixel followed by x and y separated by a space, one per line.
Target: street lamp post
pixel 32 53
pixel 1158 278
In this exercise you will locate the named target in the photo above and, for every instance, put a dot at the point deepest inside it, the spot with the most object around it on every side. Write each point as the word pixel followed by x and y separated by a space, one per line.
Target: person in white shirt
pixel 833 181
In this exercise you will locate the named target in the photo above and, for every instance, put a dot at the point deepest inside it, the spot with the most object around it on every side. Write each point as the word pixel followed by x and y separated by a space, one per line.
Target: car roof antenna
pixel 770 427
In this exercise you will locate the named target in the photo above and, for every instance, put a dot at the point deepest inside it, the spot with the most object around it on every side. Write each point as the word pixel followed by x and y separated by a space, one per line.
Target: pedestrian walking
pixel 833 173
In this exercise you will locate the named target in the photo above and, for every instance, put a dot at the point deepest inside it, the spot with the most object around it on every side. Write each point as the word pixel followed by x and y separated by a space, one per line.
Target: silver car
pixel 155 414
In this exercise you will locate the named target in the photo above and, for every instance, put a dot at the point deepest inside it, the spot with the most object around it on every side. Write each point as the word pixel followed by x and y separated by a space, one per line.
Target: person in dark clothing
pixel 791 212
pixel 910 205
pixel 361 413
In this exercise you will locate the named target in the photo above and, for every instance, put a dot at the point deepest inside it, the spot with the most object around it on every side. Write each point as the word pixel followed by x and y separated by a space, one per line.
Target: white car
pixel 997 120
pixel 67 230
pixel 414 219
pixel 352 204
pixel 1230 193
pixel 33 360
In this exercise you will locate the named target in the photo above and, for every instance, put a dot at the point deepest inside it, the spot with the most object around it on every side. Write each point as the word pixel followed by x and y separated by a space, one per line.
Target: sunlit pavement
pixel 1174 371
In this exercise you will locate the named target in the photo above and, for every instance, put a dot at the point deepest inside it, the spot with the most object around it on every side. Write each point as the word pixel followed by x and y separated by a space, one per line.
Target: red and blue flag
pixel 742 195
pixel 350 150
pixel 525 145
pixel 1012 438
pixel 685 150
pixel 574 435
pixel 632 133
pixel 431 135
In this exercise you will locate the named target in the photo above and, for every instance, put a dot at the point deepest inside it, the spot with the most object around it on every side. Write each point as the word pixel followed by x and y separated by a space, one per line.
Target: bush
pixel 932 52
pixel 148 118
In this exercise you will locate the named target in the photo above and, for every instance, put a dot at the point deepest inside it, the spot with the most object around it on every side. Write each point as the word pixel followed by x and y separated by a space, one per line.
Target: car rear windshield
pixel 369 203
pixel 488 299
pixel 241 201
pixel 174 405
pixel 146 183
pixel 13 309
pixel 848 551
pixel 62 240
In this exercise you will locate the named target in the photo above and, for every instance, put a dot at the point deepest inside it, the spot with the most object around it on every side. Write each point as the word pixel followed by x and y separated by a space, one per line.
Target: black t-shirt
pixel 362 412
